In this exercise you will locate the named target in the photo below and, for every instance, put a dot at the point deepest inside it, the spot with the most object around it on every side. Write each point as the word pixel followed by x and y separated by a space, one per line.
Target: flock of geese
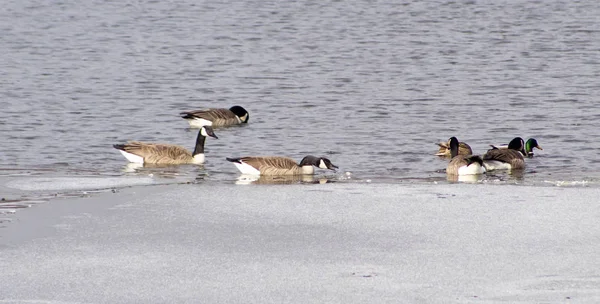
pixel 167 154
pixel 507 157
pixel 462 161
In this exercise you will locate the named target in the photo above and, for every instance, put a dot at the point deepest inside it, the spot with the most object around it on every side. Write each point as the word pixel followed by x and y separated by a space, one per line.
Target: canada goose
pixel 463 164
pixel 529 145
pixel 276 165
pixel 510 158
pixel 463 149
pixel 216 117
pixel 151 153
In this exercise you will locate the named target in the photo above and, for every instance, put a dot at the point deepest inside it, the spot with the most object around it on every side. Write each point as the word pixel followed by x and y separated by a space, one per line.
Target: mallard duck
pixel 277 165
pixel 530 144
pixel 463 164
pixel 216 117
pixel 444 150
pixel 152 153
pixel 510 158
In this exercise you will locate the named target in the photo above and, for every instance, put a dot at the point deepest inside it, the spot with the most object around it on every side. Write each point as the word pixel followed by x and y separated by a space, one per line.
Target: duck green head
pixel 530 144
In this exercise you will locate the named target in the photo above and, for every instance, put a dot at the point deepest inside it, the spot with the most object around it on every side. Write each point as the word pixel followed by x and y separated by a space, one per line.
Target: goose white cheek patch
pixel 322 164
pixel 203 132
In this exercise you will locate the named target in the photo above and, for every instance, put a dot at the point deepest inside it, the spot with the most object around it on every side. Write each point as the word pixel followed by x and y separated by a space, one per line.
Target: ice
pixel 76 183
pixel 307 243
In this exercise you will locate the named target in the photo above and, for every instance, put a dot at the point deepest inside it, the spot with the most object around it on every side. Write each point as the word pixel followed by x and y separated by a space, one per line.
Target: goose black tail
pixel 234 160
pixel 186 115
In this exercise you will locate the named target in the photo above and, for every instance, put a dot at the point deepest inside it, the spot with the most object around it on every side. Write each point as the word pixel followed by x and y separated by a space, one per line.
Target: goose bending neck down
pixel 216 117
pixel 277 165
pixel 152 153
pixel 463 164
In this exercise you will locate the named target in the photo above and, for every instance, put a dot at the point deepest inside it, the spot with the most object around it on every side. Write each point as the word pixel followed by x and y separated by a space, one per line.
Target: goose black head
pixel 241 113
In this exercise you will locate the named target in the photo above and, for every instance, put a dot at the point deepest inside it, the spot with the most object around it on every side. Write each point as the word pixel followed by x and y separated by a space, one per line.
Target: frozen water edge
pixel 76 183
pixel 339 243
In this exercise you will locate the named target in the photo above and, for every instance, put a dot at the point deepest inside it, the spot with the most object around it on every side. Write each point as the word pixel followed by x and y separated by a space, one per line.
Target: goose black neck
pixel 453 147
pixel 310 160
pixel 199 149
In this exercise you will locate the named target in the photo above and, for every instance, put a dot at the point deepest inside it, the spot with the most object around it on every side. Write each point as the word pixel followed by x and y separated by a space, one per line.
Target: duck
pixel 216 117
pixel 279 165
pixel 444 150
pixel 463 164
pixel 167 154
pixel 529 145
pixel 509 158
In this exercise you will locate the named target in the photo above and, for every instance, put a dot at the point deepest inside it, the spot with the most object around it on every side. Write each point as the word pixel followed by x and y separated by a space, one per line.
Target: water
pixel 371 85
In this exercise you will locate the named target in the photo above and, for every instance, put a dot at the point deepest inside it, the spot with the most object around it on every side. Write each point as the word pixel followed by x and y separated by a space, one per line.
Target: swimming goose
pixel 463 164
pixel 463 149
pixel 276 165
pixel 510 158
pixel 529 145
pixel 151 153
pixel 216 117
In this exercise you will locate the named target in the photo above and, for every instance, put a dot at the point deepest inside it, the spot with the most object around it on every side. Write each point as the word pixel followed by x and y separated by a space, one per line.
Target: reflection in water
pixel 473 178
pixel 165 171
pixel 496 175
pixel 507 175
pixel 246 179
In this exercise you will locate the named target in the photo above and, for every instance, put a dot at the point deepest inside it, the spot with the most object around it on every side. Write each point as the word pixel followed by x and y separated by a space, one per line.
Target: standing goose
pixel 529 145
pixel 510 158
pixel 444 150
pixel 151 153
pixel 276 165
pixel 463 164
pixel 216 117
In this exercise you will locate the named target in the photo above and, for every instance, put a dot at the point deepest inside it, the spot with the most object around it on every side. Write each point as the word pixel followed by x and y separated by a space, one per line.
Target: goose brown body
pixel 156 153
pixel 463 164
pixel 278 165
pixel 510 158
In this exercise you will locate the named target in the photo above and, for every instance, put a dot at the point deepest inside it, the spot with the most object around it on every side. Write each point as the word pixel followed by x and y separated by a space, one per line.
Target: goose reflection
pixel 165 171
pixel 247 179
pixel 473 178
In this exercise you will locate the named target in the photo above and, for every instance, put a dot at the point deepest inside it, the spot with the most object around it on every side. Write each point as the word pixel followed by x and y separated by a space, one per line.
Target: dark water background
pixel 373 85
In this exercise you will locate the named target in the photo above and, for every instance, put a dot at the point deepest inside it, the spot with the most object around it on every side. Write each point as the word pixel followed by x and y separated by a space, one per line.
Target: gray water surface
pixel 371 85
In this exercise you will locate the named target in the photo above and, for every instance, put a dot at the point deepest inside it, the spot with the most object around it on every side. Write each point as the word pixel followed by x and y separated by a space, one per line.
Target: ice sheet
pixel 334 243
